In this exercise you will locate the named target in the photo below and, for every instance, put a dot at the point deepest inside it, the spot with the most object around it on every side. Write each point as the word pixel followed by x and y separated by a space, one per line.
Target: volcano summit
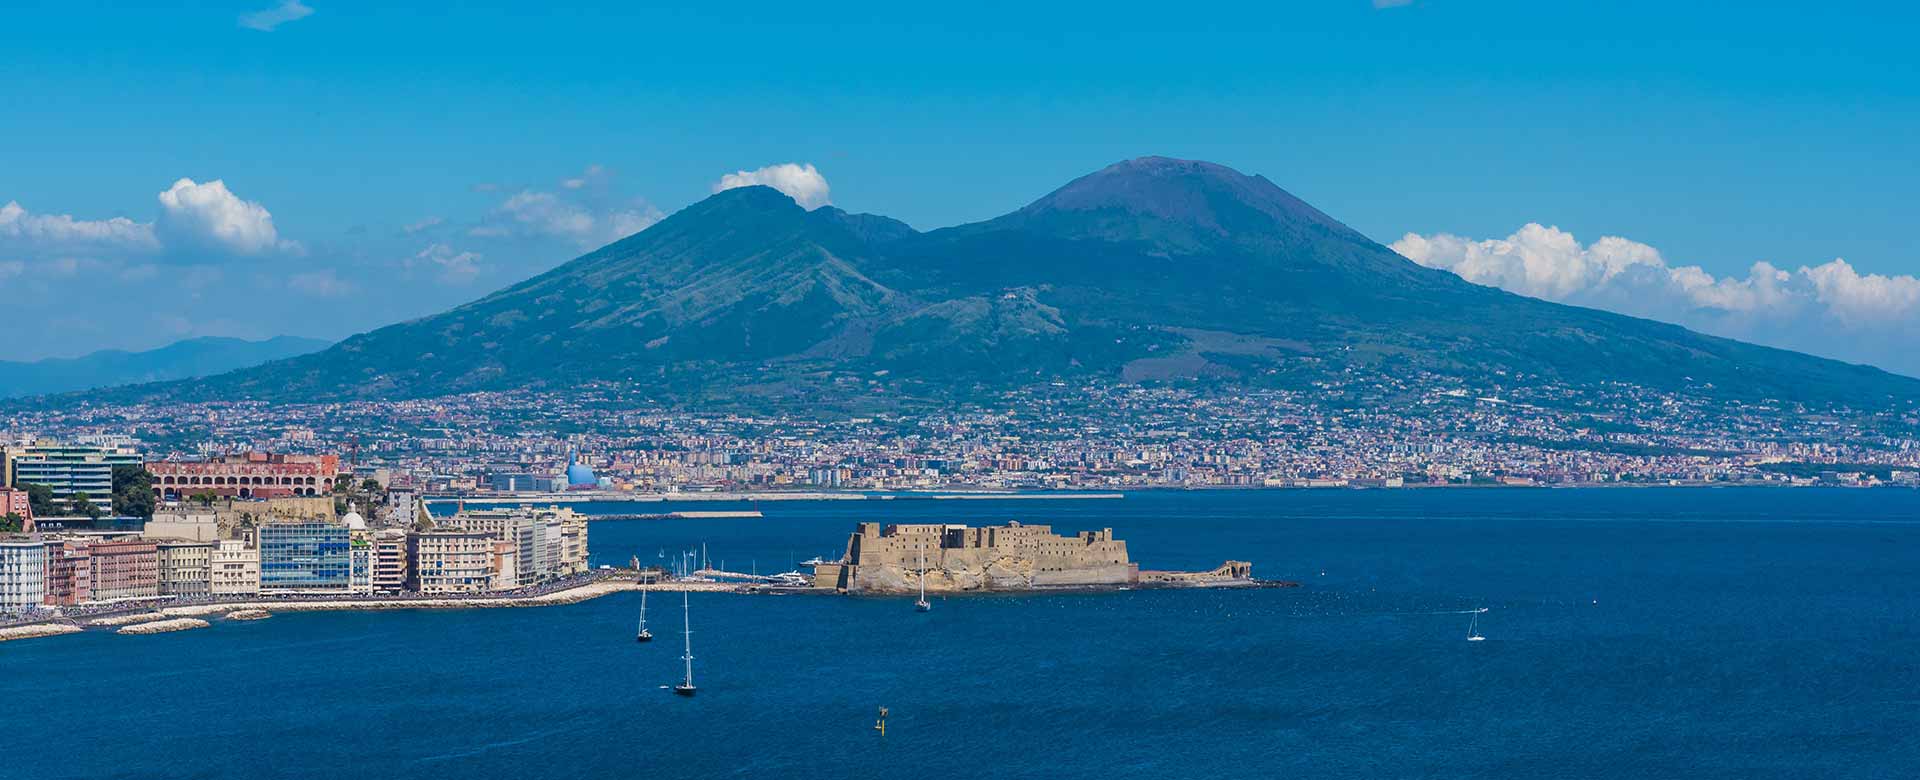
pixel 1149 269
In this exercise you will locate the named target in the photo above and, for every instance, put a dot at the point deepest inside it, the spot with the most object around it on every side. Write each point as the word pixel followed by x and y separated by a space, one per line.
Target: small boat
pixel 685 688
pixel 644 635
pixel 1473 627
pixel 922 605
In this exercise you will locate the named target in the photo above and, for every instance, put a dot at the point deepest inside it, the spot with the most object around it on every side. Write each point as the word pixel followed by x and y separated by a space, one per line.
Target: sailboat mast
pixel 686 613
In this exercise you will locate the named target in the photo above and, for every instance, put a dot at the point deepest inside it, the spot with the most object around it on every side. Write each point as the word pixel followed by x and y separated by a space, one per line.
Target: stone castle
pixel 959 558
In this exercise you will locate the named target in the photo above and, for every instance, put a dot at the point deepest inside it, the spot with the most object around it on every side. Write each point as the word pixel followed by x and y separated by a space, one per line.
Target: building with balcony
pixel 23 575
pixel 69 578
pixel 234 569
pixel 186 568
pixel 390 561
pixel 450 561
pixel 124 570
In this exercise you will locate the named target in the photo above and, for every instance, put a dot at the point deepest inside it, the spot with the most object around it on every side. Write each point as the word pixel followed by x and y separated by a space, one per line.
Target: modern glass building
pixel 305 556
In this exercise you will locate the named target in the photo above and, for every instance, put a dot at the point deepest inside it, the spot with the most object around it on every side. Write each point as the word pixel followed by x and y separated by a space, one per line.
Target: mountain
pixel 180 360
pixel 1148 269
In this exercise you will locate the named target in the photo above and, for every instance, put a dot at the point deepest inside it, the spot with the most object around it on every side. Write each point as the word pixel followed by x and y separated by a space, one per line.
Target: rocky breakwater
pixel 37 630
pixel 164 626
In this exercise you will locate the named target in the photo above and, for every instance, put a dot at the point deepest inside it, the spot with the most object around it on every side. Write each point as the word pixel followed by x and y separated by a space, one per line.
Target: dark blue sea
pixel 1657 633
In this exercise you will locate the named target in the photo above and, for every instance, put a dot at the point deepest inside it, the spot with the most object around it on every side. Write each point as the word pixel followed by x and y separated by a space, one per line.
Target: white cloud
pixel 455 267
pixel 537 214
pixel 428 223
pixel 211 215
pixel 801 182
pixel 1799 309
pixel 19 227
pixel 1869 299
pixel 1392 3
pixel 593 174
pixel 269 19
pixel 324 283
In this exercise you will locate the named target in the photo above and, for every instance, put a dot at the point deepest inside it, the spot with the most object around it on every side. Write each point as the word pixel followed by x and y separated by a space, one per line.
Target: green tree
pixel 205 497
pixel 370 486
pixel 12 523
pixel 40 500
pixel 83 505
pixel 133 491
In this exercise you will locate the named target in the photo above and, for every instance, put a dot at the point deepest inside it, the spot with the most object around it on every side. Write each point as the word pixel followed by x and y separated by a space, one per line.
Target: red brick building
pixel 69 573
pixel 249 475
pixel 124 570
pixel 14 502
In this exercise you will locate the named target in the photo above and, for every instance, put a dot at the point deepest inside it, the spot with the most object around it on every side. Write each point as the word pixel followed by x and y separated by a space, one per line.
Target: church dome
pixel 353 520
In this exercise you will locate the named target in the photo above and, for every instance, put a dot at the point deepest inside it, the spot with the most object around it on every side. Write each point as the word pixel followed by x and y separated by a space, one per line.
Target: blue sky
pixel 410 157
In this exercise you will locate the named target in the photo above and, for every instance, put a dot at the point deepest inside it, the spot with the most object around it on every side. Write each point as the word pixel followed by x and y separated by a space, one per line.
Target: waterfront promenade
pixel 569 591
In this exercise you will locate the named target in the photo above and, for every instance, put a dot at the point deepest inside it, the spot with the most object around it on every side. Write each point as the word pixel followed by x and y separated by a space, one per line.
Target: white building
pixel 23 575
pixel 235 570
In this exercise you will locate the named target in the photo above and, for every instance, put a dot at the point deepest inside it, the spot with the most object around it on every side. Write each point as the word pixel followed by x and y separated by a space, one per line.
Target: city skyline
pixel 289 193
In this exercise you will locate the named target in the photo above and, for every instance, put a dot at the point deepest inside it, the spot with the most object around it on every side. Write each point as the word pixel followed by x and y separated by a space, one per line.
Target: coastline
pixel 172 615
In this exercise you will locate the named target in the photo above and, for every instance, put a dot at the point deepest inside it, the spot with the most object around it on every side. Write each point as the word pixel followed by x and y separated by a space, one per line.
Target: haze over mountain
pixel 1152 268
pixel 186 359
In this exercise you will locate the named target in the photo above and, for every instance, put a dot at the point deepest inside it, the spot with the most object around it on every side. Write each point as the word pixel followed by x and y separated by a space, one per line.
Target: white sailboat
pixel 685 688
pixel 644 635
pixel 922 605
pixel 1473 627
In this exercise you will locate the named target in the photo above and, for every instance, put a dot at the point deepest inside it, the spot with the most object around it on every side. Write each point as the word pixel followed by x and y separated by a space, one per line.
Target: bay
pixel 1736 633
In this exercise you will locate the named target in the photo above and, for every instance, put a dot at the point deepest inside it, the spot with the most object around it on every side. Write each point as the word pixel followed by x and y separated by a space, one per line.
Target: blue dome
pixel 580 474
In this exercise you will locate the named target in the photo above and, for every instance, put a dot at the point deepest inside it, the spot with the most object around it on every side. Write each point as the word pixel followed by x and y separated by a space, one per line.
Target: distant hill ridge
pixel 187 359
pixel 1152 268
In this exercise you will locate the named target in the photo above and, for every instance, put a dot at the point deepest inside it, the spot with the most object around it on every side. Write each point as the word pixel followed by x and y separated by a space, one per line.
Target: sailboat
pixel 644 635
pixel 685 688
pixel 1473 627
pixel 922 605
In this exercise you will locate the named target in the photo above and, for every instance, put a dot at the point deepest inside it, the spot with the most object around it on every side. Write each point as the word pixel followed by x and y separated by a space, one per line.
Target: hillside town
pixel 1371 431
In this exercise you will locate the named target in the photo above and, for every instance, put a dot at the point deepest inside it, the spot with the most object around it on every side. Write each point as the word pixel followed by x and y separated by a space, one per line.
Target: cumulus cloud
pixel 211 215
pixel 22 228
pixel 801 182
pixel 270 19
pixel 1797 309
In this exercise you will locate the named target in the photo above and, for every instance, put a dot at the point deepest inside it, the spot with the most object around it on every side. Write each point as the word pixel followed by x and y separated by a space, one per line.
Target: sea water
pixel 1700 633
